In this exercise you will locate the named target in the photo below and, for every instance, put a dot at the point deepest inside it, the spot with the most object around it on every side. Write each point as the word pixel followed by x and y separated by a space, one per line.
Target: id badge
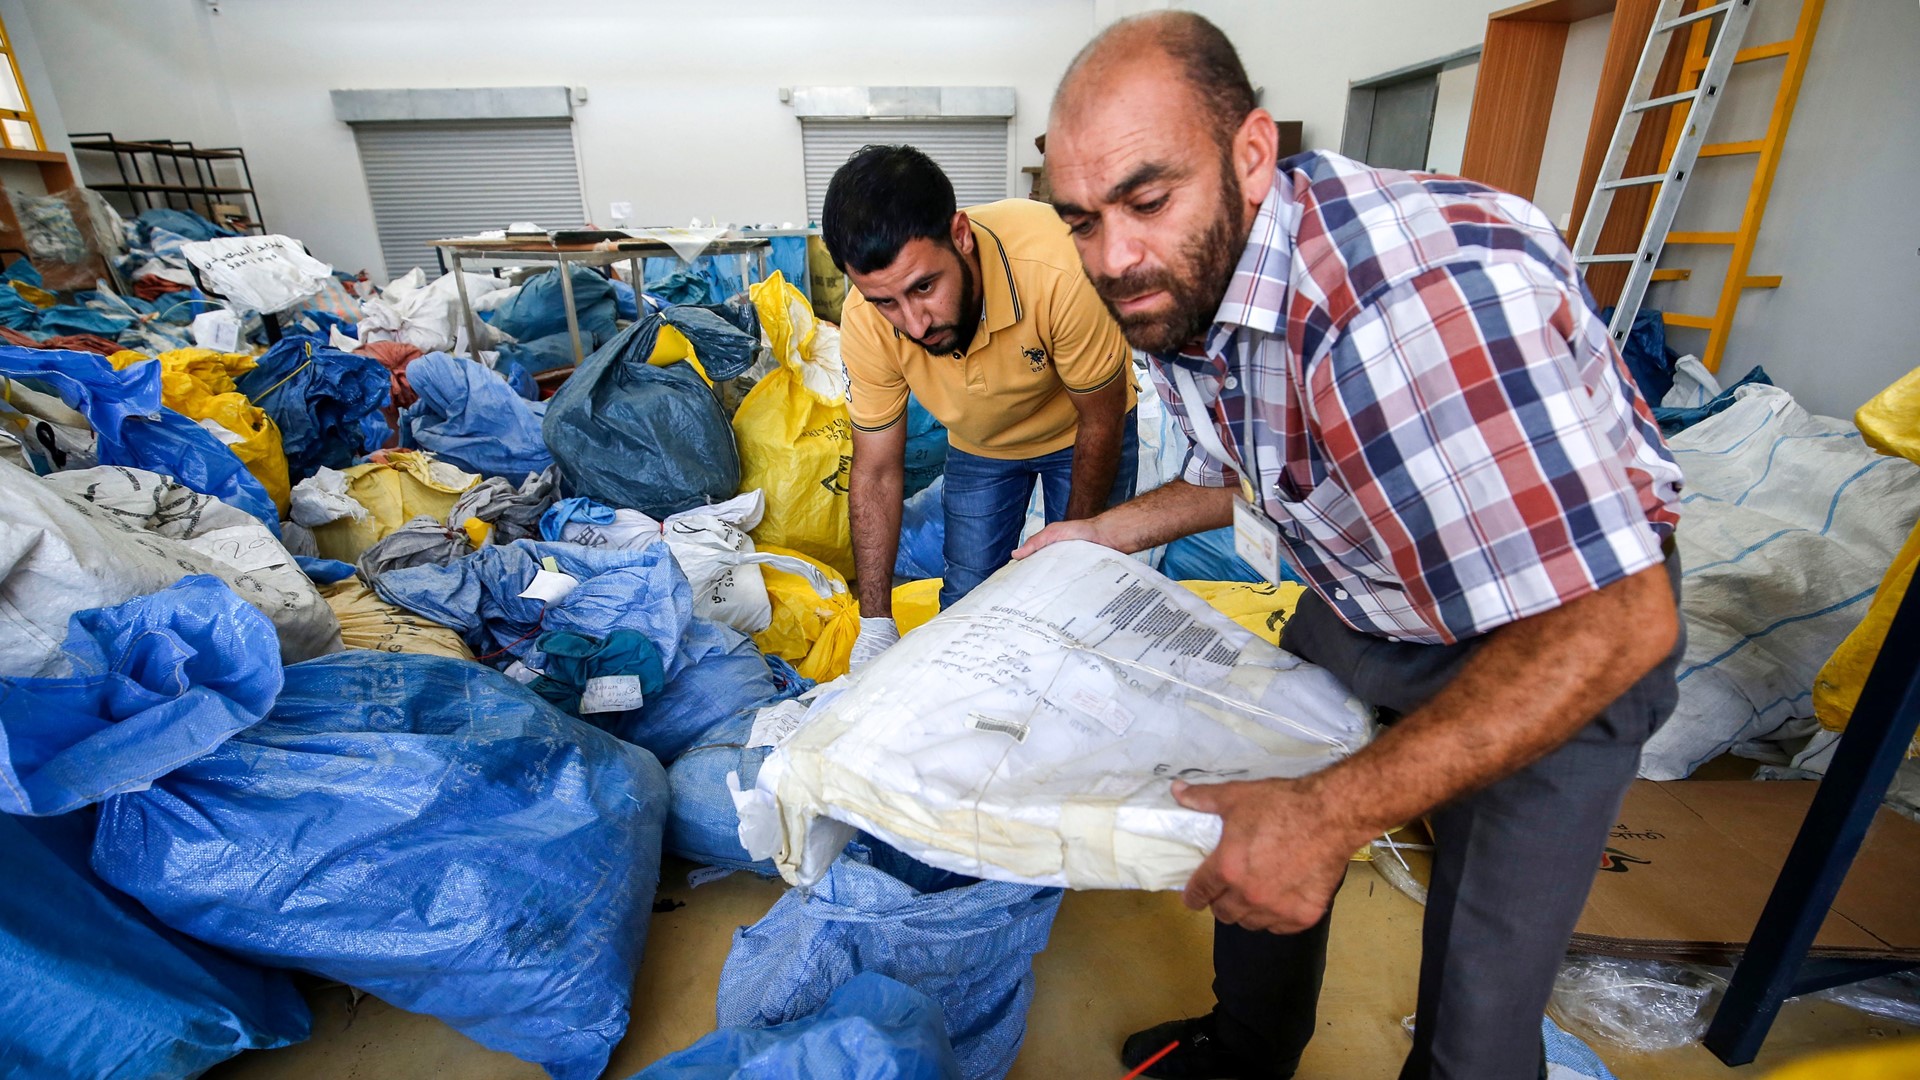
pixel 1256 539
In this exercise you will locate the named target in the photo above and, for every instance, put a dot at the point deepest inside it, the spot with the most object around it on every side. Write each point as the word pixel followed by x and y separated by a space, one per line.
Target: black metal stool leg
pixel 1775 966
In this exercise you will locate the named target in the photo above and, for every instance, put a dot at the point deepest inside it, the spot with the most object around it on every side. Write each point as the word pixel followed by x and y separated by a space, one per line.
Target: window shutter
pixel 972 152
pixel 431 179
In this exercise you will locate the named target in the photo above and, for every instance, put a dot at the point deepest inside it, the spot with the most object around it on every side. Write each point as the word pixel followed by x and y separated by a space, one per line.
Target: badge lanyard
pixel 1208 436
pixel 1256 536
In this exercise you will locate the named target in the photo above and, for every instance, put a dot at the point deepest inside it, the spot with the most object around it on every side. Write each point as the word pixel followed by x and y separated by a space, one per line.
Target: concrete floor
pixel 1117 962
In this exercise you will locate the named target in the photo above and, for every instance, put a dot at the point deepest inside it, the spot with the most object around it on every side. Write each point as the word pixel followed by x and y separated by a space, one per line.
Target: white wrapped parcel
pixel 1033 732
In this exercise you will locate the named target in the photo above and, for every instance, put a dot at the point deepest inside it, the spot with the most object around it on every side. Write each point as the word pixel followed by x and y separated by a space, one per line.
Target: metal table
pixel 564 256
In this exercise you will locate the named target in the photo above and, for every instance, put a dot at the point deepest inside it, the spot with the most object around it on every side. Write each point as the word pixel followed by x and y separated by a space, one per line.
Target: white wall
pixel 1452 105
pixel 1305 52
pixel 1572 115
pixel 1841 225
pixel 682 119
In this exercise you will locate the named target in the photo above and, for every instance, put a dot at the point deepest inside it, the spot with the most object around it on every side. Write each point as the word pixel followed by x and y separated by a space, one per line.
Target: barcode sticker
pixel 982 722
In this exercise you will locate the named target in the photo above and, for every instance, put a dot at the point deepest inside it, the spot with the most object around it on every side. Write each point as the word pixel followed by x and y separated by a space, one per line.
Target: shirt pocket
pixel 1332 523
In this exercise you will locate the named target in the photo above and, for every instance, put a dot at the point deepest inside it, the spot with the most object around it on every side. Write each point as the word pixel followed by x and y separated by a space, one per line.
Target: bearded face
pixel 1188 287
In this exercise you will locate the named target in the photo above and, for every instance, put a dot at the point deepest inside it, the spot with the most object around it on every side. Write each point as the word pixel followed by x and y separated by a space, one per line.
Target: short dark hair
pixel 1207 60
pixel 881 198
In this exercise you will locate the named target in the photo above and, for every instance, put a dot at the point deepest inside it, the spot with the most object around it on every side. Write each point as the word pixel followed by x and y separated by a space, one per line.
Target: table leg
pixel 466 306
pixel 573 317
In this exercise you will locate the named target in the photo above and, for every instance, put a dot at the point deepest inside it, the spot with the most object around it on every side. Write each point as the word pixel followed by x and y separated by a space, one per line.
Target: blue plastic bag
pixel 702 824
pixel 153 682
pixel 678 286
pixel 1209 556
pixel 872 1028
pixel 133 428
pixel 1673 421
pixel 1646 353
pixel 479 597
pixel 17 312
pixel 968 945
pixel 546 353
pixel 426 830
pixel 539 309
pixel 73 319
pixel 655 439
pixel 922 552
pixel 926 457
pixel 183 222
pixel 470 417
pixel 318 395
pixel 721 674
pixel 97 988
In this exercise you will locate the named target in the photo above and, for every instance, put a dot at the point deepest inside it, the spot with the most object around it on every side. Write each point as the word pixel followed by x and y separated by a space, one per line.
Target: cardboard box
pixel 1691 863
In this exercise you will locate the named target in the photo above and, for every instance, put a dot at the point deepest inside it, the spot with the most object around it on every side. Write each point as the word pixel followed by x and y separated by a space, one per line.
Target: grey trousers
pixel 1512 866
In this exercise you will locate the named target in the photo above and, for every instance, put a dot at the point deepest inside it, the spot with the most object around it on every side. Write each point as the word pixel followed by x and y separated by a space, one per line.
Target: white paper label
pixel 521 673
pixel 700 875
pixel 776 722
pixel 549 586
pixel 1257 540
pixel 611 693
pixel 244 547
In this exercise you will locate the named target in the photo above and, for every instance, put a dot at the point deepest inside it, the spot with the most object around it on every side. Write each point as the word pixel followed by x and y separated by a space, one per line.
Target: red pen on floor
pixel 1147 1064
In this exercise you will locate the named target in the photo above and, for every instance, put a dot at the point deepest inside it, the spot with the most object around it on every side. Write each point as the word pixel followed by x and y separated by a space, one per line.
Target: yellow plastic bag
pixel 199 384
pixel 814 622
pixel 1890 424
pixel 1258 606
pixel 915 603
pixel 796 443
pixel 1261 608
pixel 368 622
pixel 403 486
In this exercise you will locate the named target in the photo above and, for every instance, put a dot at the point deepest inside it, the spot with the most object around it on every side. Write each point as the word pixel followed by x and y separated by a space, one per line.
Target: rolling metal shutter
pixel 972 152
pixel 431 179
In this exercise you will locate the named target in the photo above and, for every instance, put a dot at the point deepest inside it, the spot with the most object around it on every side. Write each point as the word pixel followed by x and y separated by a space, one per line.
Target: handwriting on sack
pixel 269 249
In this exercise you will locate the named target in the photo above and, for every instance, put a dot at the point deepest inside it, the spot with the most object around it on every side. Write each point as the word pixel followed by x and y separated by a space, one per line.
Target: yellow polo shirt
pixel 1044 335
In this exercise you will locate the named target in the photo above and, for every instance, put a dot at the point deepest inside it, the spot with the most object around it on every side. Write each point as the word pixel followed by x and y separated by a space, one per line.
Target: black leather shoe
pixel 1200 1056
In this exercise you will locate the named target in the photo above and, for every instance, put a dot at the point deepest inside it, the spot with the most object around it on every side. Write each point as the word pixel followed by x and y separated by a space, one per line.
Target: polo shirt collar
pixel 1001 307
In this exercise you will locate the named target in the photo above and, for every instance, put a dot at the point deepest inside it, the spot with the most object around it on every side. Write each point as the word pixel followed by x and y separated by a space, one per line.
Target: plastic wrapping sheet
pixel 1032 732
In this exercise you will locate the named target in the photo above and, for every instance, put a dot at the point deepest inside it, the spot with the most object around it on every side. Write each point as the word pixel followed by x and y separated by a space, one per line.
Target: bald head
pixel 1159 159
pixel 1168 44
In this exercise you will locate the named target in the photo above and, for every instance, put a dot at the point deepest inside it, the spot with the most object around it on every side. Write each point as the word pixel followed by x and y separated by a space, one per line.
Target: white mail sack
pixel 260 273
pixel 1032 733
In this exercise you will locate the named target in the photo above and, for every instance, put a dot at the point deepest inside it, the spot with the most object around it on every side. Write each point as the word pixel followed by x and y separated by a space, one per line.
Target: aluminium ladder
pixel 1700 103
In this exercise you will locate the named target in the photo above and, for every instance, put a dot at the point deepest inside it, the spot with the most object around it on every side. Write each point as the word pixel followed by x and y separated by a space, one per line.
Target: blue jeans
pixel 986 505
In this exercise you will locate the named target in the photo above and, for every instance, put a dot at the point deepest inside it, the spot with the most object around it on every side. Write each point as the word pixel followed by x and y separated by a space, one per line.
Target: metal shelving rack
pixel 157 172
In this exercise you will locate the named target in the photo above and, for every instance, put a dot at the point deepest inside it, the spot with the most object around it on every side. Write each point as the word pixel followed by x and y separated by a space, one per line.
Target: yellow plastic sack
pixel 796 443
pixel 1258 606
pixel 404 486
pixel 1890 424
pixel 368 622
pixel 916 602
pixel 1261 608
pixel 1897 1060
pixel 199 384
pixel 35 295
pixel 813 632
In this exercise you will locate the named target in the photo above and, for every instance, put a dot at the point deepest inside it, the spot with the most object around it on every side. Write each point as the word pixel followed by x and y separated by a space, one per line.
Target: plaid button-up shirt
pixel 1438 422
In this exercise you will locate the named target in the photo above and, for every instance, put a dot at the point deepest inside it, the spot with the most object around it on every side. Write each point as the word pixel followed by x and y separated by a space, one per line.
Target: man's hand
pixel 1283 853
pixel 876 637
pixel 1087 529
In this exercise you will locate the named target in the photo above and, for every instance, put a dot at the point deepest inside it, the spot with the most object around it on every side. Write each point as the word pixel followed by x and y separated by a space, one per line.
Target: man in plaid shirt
pixel 1395 382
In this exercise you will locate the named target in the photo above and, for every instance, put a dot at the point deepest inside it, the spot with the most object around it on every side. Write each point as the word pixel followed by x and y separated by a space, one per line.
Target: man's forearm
pixel 1527 690
pixel 1096 461
pixel 873 504
pixel 1166 513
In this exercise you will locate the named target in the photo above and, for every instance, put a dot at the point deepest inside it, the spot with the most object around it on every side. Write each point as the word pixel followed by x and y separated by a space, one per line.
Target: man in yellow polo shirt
pixel 986 315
